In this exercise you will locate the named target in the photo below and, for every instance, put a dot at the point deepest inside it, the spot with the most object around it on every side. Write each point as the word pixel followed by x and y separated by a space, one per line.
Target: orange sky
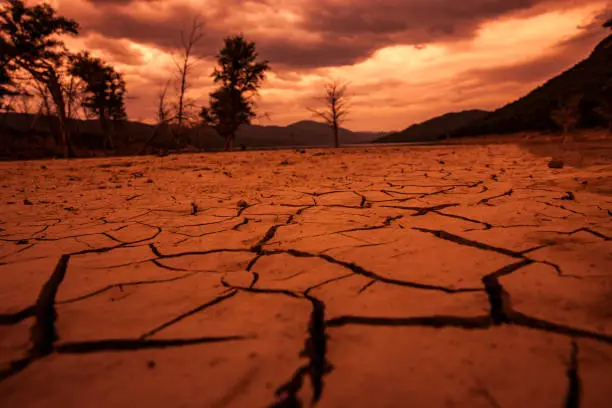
pixel 406 60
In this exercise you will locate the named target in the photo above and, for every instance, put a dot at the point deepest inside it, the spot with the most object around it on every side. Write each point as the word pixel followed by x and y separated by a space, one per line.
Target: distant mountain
pixel 435 128
pixel 28 136
pixel 532 112
pixel 302 133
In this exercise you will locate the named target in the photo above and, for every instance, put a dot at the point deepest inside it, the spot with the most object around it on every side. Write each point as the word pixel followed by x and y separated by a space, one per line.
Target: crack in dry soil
pixel 328 199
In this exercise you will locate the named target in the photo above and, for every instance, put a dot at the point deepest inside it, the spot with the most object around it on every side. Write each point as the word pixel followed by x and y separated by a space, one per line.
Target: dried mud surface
pixel 381 277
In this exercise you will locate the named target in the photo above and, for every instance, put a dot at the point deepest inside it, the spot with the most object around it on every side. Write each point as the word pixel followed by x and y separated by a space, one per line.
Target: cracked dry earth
pixel 371 277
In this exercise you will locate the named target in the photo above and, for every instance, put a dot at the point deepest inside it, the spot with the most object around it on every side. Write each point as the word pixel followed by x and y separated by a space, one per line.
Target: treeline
pixel 36 64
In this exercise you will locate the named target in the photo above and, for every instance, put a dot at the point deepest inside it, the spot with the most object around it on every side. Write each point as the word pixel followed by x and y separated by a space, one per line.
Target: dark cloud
pixel 344 32
pixel 162 29
pixel 117 51
pixel 120 2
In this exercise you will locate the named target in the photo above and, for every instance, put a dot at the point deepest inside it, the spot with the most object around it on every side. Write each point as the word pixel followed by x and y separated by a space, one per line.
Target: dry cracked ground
pixel 373 277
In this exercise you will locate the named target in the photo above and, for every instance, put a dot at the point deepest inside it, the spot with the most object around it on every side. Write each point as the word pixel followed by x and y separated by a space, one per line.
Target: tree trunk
pixel 229 142
pixel 106 128
pixel 336 139
pixel 182 92
pixel 58 99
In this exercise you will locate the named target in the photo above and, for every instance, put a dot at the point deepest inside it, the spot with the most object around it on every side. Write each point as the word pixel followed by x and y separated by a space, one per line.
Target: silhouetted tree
pixel 336 107
pixel 6 83
pixel 567 115
pixel 164 117
pixel 240 76
pixel 104 91
pixel 183 68
pixel 5 91
pixel 6 88
pixel 30 42
pixel 74 93
pixel 164 111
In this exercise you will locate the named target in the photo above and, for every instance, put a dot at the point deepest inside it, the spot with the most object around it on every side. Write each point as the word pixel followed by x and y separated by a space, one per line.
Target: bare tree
pixel 184 67
pixel 567 115
pixel 164 116
pixel 164 111
pixel 336 107
pixel 74 89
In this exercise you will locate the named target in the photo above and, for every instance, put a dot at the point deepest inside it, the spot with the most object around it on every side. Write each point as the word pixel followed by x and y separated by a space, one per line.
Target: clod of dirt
pixel 441 162
pixel 151 364
pixel 285 163
pixel 242 204
pixel 27 202
pixel 556 164
pixel 568 196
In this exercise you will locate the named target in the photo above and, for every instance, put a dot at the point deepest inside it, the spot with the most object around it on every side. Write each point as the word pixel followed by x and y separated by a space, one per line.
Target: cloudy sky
pixel 406 60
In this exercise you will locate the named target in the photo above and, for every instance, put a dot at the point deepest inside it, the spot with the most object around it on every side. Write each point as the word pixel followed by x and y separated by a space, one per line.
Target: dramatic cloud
pixel 407 60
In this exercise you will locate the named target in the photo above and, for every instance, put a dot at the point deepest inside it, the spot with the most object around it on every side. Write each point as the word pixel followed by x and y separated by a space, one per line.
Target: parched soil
pixel 447 276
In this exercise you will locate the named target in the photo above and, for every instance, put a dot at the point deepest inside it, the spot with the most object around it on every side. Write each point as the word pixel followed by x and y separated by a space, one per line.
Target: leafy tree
pixel 104 89
pixel 336 109
pixel 29 42
pixel 240 75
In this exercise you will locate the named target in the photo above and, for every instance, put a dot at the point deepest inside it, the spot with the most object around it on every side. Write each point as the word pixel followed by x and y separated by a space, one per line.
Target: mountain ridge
pixel 532 112
pixel 434 128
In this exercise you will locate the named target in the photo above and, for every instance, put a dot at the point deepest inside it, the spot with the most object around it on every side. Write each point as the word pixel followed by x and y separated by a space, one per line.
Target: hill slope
pixel 532 112
pixel 434 128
